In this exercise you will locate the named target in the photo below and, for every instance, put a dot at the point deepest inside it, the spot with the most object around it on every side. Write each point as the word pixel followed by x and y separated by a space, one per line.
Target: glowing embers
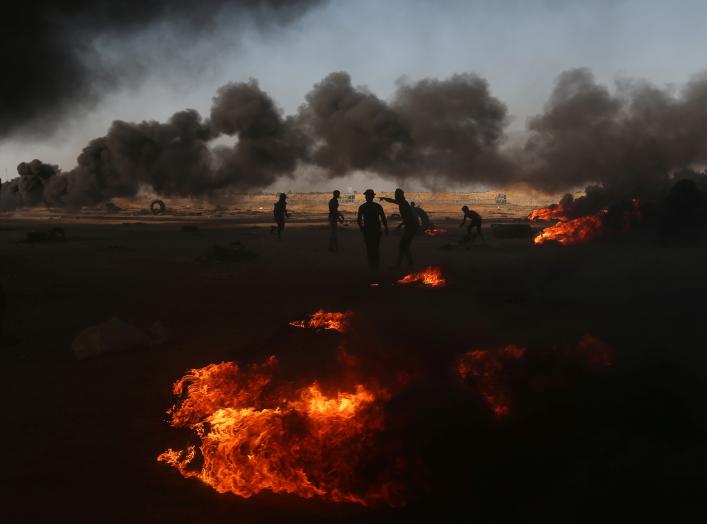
pixel 333 320
pixel 513 374
pixel 570 232
pixel 435 231
pixel 487 370
pixel 430 277
pixel 255 435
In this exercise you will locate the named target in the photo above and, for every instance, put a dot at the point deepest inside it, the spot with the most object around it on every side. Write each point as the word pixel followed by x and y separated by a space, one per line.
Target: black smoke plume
pixel 173 158
pixel 450 128
pixel 51 64
pixel 630 142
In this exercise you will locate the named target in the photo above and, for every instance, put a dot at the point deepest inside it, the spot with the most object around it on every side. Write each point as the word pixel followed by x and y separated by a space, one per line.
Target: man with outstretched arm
pixel 411 223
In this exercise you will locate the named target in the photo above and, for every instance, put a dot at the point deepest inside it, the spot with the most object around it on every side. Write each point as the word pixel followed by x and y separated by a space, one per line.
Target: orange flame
pixel 486 370
pixel 302 441
pixel 432 277
pixel 334 320
pixel 576 231
pixel 551 212
pixel 435 231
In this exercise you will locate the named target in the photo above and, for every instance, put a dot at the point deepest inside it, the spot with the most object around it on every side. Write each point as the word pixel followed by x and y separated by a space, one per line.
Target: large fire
pixel 487 370
pixel 575 231
pixel 332 320
pixel 551 212
pixel 435 231
pixel 431 277
pixel 254 436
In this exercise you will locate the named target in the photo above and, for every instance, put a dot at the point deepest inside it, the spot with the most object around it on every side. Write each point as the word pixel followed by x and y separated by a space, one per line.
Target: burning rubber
pixel 254 437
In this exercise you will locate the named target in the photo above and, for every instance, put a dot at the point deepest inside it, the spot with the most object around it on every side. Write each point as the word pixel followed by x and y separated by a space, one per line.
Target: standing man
pixel 334 218
pixel 412 225
pixel 474 223
pixel 370 217
pixel 280 212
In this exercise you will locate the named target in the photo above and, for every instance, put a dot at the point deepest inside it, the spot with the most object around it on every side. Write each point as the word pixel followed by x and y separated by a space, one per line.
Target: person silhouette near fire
pixel 370 218
pixel 410 223
pixel 280 212
pixel 334 218
pixel 474 224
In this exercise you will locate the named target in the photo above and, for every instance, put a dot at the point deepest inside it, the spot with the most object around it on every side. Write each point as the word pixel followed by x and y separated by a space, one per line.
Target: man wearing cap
pixel 335 217
pixel 280 212
pixel 412 225
pixel 370 218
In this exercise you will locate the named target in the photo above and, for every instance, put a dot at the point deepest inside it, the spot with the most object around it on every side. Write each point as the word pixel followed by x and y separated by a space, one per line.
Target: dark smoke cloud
pixel 353 129
pixel 173 158
pixel 50 60
pixel 452 128
pixel 456 127
pixel 629 142
pixel 442 132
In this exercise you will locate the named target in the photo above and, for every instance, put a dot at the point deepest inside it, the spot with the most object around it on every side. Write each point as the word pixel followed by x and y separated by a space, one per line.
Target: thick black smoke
pixel 450 128
pixel 629 142
pixel 50 63
pixel 173 158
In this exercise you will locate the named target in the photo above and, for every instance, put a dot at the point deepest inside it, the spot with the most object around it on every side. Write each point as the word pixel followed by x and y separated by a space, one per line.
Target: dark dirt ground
pixel 624 443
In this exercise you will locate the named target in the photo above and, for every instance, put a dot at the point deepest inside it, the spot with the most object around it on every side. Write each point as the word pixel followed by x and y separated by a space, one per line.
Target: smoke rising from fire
pixel 629 141
pixel 447 132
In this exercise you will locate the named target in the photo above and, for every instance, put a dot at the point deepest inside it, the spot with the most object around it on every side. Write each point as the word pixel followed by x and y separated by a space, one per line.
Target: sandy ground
pixel 82 436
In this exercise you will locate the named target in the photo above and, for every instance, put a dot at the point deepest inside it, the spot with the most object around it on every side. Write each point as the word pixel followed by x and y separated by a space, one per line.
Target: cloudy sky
pixel 520 47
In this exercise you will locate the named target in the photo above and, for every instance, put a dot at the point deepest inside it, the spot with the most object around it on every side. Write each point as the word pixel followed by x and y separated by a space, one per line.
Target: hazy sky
pixel 518 46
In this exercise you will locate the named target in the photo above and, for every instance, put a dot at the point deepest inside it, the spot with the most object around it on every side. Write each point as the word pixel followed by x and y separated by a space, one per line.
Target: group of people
pixel 373 223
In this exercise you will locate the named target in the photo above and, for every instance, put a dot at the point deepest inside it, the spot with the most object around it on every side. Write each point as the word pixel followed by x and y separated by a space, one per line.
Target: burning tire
pixel 158 207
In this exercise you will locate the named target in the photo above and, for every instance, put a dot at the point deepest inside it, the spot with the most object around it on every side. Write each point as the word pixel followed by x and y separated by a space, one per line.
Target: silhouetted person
pixel 474 224
pixel 370 217
pixel 334 218
pixel 410 222
pixel 422 215
pixel 280 212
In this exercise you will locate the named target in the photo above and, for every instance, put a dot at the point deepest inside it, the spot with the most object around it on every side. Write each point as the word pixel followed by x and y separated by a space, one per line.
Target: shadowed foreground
pixel 625 441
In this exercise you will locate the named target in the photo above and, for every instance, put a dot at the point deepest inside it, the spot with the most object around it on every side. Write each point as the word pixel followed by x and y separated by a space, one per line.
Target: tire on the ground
pixel 157 207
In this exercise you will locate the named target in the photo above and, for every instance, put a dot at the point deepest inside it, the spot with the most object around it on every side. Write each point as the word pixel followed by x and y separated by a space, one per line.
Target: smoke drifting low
pixel 448 131
pixel 173 158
